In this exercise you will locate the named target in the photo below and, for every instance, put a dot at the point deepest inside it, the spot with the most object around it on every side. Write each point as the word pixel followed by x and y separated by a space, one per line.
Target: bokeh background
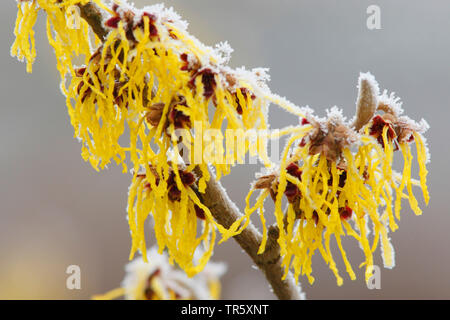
pixel 55 210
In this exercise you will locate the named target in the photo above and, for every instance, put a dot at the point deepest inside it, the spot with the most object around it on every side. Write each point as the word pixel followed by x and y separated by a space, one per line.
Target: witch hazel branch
pixel 144 76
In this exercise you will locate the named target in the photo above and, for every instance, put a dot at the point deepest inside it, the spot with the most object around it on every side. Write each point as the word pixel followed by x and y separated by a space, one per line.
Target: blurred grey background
pixel 55 210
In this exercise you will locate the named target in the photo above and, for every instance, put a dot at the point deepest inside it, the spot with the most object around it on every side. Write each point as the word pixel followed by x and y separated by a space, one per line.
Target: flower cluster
pixel 145 78
pixel 336 178
pixel 159 280
pixel 147 75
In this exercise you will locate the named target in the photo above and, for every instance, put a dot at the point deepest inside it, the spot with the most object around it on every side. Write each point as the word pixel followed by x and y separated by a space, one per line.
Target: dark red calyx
pixel 345 212
pixel 179 119
pixel 245 92
pixel 315 217
pixel 294 170
pixel 152 27
pixel 113 22
pixel 79 72
pixel 342 179
pixel 174 193
pixel 184 58
pixel 376 130
pixel 208 80
pixel 302 143
pixel 291 191
pixel 188 178
pixel 199 212
pixel 149 292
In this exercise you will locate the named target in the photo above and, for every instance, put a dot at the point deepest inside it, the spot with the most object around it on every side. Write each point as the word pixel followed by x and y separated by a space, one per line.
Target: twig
pixel 223 209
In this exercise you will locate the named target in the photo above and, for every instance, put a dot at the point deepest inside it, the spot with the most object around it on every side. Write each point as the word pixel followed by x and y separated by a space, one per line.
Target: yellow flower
pixel 24 46
pixel 336 179
pixel 147 59
pixel 148 75
pixel 159 280
pixel 176 211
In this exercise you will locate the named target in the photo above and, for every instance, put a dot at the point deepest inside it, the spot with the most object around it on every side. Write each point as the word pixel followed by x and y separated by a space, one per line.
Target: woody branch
pixel 226 213
pixel 217 200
